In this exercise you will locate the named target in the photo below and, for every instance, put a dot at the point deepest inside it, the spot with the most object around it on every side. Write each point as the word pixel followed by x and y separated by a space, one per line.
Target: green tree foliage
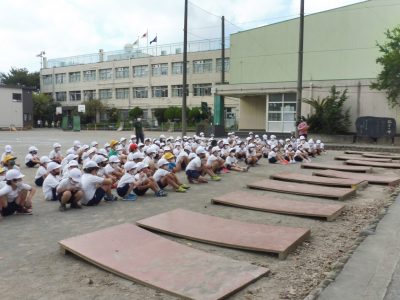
pixel 196 115
pixel 173 113
pixel 159 115
pixel 135 112
pixel 21 77
pixel 92 107
pixel 389 78
pixel 113 115
pixel 329 116
pixel 44 108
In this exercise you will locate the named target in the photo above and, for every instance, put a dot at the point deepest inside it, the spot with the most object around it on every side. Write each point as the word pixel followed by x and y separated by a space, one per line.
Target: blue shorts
pixel 123 190
pixel 39 181
pixel 272 160
pixel 98 195
pixel 193 174
pixel 11 208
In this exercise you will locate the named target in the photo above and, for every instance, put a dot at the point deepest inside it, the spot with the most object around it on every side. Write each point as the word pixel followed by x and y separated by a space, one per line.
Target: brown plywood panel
pixel 303 178
pixel 357 157
pixel 381 155
pixel 268 203
pixel 373 164
pixel 354 152
pixel 225 232
pixel 360 169
pixel 372 179
pixel 144 257
pixel 303 189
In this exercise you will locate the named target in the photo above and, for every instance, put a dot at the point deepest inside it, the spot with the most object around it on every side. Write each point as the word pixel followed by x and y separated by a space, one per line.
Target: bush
pixel 329 116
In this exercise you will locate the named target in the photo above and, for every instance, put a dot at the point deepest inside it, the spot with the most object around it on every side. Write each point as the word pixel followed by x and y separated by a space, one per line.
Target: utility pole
pixel 184 71
pixel 223 50
pixel 300 62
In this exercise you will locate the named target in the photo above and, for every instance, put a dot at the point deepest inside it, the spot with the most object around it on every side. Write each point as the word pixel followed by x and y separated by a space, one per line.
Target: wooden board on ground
pixel 225 232
pixel 344 168
pixel 382 155
pixel 268 203
pixel 373 164
pixel 303 178
pixel 372 179
pixel 144 257
pixel 354 152
pixel 303 189
pixel 357 157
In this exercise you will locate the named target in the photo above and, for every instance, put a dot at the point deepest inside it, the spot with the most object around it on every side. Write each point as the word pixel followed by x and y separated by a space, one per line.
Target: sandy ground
pixel 31 266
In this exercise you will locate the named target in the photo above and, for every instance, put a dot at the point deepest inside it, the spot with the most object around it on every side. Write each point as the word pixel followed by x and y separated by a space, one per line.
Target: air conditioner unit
pixel 163 52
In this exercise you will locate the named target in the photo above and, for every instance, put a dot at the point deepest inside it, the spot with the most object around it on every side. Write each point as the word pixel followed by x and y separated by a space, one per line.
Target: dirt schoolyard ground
pixel 32 267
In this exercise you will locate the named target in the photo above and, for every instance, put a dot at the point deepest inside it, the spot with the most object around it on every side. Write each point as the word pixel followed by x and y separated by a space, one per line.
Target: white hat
pixel 99 158
pixel 90 164
pixel 140 144
pixel 248 138
pixel 92 150
pixel 318 142
pixel 70 157
pixel 106 145
pixel 8 148
pixel 200 150
pixel 70 151
pixel 32 148
pixel 77 143
pixel 167 148
pixel 251 133
pixel 103 152
pixel 252 145
pixel 122 139
pixel 151 150
pixel 51 166
pixel 192 155
pixel 94 143
pixel 85 147
pixel 73 163
pixel 188 148
pixel 129 166
pixel 162 162
pixel 75 175
pixel 302 137
pixel 113 159
pixel 147 139
pixel 45 160
pixel 177 144
pixel 137 155
pixel 162 136
pixel 13 174
pixel 56 145
pixel 133 136
pixel 119 147
pixel 140 166
pixel 215 149
pixel 273 137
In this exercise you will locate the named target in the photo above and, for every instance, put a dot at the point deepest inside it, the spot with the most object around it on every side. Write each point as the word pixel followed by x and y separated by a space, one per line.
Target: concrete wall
pixel 11 111
pixel 252 112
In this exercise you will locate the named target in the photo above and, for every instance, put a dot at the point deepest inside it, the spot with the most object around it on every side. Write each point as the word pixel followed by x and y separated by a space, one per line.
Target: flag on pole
pixel 136 42
pixel 154 40
pixel 144 35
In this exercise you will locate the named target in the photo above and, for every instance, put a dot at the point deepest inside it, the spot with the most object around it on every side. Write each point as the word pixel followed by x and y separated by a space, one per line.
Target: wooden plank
pixel 354 152
pixel 303 189
pixel 357 157
pixel 268 203
pixel 303 178
pixel 360 169
pixel 225 232
pixel 382 155
pixel 373 164
pixel 139 255
pixel 372 179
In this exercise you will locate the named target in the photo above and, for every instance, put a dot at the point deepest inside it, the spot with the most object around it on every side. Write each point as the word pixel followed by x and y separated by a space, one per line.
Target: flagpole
pixel 147 36
pixel 156 43
pixel 138 44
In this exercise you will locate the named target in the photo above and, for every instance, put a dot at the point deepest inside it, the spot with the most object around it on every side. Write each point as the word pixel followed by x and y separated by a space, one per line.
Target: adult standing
pixel 139 130
pixel 303 127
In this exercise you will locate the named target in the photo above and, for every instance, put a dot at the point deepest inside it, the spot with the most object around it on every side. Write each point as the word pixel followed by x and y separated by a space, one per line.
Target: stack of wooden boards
pixel 137 254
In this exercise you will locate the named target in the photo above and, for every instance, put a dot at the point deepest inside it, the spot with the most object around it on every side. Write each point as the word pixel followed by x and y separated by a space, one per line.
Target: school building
pixel 147 77
pixel 340 48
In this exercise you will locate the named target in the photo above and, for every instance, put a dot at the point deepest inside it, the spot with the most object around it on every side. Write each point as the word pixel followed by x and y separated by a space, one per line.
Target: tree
pixel 389 78
pixel 159 115
pixel 92 107
pixel 44 108
pixel 135 112
pixel 21 77
pixel 329 116
pixel 113 115
pixel 173 113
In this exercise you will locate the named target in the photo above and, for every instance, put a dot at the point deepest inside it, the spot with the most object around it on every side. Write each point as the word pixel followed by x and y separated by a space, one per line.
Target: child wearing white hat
pixel 69 190
pixel 32 159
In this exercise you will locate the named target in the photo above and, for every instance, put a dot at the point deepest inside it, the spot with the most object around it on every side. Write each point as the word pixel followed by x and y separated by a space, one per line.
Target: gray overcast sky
pixel 72 27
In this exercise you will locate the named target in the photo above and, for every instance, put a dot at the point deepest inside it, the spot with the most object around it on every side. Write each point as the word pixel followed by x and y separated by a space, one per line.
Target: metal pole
pixel 184 71
pixel 223 50
pixel 300 62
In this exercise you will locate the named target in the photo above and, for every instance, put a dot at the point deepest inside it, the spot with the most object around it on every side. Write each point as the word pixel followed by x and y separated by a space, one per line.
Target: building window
pixel 159 91
pixel 61 78
pixel 177 90
pixel 47 79
pixel 89 75
pixel 202 66
pixel 122 93
pixel 75 96
pixel 75 77
pixel 89 94
pixel 177 68
pixel 203 89
pixel 16 97
pixel 105 94
pixel 105 74
pixel 61 96
pixel 49 95
pixel 281 112
pixel 140 92
pixel 219 64
pixel 159 70
pixel 122 72
pixel 140 71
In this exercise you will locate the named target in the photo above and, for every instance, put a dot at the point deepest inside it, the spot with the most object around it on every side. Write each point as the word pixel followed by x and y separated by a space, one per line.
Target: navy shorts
pixel 123 190
pixel 161 185
pixel 193 174
pixel 39 181
pixel 98 195
pixel 272 160
pixel 140 192
pixel 30 164
pixel 11 208
pixel 298 158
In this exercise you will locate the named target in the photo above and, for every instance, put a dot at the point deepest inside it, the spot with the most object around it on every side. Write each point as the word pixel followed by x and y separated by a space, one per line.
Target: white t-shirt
pixel 11 194
pixel 194 164
pixel 89 185
pixel 271 154
pixel 49 184
pixel 29 157
pixel 159 174
pixel 66 184
pixel 251 152
pixel 211 159
pixel 148 160
pixel 41 171
pixel 230 160
pixel 108 169
pixel 297 153
pixel 181 155
pixel 126 179
pixel 140 177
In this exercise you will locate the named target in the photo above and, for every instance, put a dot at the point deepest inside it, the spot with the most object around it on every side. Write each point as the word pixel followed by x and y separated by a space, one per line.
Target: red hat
pixel 132 147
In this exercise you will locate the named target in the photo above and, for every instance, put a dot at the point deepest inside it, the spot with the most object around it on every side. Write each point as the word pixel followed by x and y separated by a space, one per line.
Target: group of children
pixel 86 174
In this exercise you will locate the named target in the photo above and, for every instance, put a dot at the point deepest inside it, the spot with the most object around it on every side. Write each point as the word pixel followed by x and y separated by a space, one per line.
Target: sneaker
pixel 224 170
pixel 130 197
pixel 215 178
pixel 109 198
pixel 76 205
pixel 180 190
pixel 24 211
pixel 292 162
pixel 160 193
pixel 185 186
pixel 63 207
